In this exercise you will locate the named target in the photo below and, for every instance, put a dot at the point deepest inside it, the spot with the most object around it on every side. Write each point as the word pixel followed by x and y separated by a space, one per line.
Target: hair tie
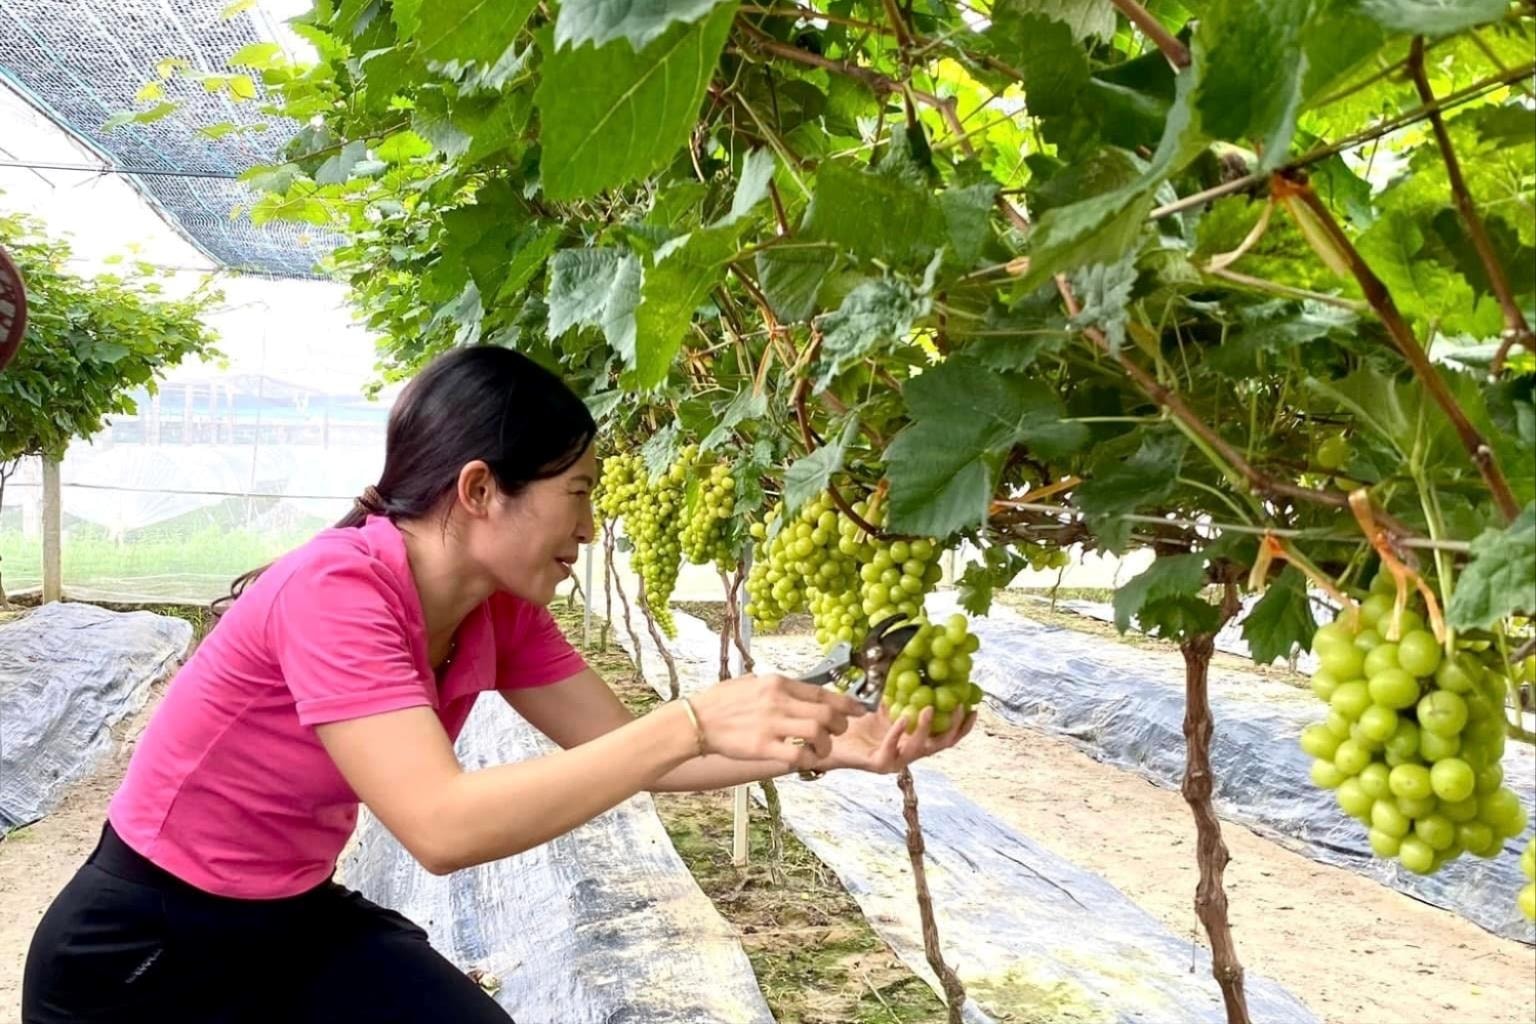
pixel 372 501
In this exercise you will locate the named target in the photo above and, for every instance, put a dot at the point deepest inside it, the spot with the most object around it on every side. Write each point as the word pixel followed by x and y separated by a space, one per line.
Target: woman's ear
pixel 477 489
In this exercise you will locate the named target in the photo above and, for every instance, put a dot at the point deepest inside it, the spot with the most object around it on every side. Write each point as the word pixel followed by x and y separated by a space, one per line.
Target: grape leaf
pixel 1124 485
pixel 661 450
pixel 685 271
pixel 1433 17
pixel 965 416
pixel 602 21
pixel 1281 620
pixel 811 475
pixel 596 288
pixel 875 315
pixel 883 216
pixel 1501 578
pixel 791 276
pixel 1043 50
pixel 1253 62
pixel 1427 291
pixel 747 405
pixel 998 567
pixel 466 29
pixel 1165 600
pixel 609 115
pixel 1085 18
pixel 751 185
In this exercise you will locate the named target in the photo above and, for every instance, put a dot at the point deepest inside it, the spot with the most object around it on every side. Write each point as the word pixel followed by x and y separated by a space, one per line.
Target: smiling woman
pixel 342 674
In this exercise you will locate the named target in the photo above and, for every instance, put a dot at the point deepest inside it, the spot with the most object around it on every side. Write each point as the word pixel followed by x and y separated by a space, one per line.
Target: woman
pixel 343 673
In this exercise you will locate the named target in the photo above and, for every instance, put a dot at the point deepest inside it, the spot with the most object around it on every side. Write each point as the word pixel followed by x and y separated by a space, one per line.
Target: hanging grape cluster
pixel 809 564
pixel 652 513
pixel 706 535
pixel 1413 740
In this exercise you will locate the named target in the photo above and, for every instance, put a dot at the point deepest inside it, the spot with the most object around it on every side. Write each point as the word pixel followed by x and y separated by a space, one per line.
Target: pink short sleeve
pixel 342 636
pixel 530 649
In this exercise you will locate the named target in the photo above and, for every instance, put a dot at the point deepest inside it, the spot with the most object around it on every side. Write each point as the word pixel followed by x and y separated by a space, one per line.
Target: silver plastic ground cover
pixel 68 673
pixel 603 925
pixel 1032 936
pixel 1125 707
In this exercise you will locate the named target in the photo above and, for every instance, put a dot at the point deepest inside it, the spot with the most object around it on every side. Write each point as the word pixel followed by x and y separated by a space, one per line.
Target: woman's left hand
pixel 876 743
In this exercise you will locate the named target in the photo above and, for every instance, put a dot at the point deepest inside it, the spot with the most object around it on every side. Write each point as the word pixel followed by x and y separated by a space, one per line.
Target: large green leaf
pixel 965 416
pixel 462 30
pixel 596 288
pixel 1433 17
pixel 1253 61
pixel 610 115
pixel 600 22
pixel 1426 290
pixel 1043 50
pixel 1500 579
pixel 1281 620
pixel 876 215
pixel 685 271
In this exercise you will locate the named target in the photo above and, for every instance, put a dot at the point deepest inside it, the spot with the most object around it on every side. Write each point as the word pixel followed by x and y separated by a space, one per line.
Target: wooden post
pixel 53 517
pixel 741 808
pixel 586 600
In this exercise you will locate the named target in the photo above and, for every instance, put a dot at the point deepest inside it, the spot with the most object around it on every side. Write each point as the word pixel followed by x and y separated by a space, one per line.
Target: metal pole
pixel 53 515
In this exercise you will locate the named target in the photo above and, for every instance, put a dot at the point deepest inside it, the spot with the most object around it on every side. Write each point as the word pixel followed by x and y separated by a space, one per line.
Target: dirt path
pixel 1354 951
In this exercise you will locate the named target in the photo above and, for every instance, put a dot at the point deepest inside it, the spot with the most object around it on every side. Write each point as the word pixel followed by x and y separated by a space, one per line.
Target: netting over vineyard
pixel 230 464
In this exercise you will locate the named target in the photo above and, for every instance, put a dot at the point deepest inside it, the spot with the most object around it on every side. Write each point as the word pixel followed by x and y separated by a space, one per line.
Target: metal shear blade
pixel 881 646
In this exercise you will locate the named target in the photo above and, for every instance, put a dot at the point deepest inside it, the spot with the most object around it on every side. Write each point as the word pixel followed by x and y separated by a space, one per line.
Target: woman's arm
pixel 402 765
pixel 581 709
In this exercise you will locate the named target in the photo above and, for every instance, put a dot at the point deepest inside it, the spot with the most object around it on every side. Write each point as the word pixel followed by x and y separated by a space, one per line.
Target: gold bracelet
pixel 698 729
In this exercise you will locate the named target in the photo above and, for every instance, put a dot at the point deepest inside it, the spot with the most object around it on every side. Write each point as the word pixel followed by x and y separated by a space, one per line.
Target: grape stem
pixel 1211 850
pixel 1516 330
pixel 618 583
pixel 954 991
pixel 1360 504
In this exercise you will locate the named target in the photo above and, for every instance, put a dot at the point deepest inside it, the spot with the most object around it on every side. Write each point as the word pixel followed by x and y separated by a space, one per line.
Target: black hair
pixel 486 403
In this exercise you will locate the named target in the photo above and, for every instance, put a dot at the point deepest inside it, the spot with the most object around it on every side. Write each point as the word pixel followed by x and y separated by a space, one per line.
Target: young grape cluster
pixel 934 670
pixel 706 535
pixel 652 511
pixel 1413 740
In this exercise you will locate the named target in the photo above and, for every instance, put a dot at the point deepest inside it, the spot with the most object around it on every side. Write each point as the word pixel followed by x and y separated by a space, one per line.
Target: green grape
pixel 706 535
pixel 920 678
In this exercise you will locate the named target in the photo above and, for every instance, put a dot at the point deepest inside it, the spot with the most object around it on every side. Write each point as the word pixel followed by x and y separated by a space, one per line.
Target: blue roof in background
pixel 82 61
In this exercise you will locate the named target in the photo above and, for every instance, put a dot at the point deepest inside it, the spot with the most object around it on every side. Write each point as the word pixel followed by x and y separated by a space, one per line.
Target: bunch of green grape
pixel 894 575
pixel 652 511
pixel 1527 897
pixel 1413 740
pixel 622 483
pixel 934 670
pixel 706 534
pixel 1042 556
pixel 804 566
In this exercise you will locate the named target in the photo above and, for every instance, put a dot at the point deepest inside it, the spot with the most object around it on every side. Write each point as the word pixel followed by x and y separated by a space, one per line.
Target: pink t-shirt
pixel 230 789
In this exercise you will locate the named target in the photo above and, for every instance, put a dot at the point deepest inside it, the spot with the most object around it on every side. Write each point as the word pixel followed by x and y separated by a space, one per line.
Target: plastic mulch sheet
pixel 68 673
pixel 1125 707
pixel 603 925
pixel 1032 936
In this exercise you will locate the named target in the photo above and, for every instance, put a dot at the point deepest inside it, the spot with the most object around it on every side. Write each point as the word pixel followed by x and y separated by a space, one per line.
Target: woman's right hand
pixel 760 718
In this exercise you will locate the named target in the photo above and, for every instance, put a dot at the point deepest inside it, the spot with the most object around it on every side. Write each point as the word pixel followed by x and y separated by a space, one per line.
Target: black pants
pixel 126 942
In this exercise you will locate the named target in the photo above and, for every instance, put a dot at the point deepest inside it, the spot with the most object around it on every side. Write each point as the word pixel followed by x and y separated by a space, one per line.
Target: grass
pixel 816 958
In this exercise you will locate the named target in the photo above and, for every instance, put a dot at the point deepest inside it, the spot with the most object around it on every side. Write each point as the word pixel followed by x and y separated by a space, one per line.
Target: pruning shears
pixel 870 661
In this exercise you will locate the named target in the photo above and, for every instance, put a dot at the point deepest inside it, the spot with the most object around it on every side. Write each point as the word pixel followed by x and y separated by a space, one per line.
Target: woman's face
pixel 528 544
